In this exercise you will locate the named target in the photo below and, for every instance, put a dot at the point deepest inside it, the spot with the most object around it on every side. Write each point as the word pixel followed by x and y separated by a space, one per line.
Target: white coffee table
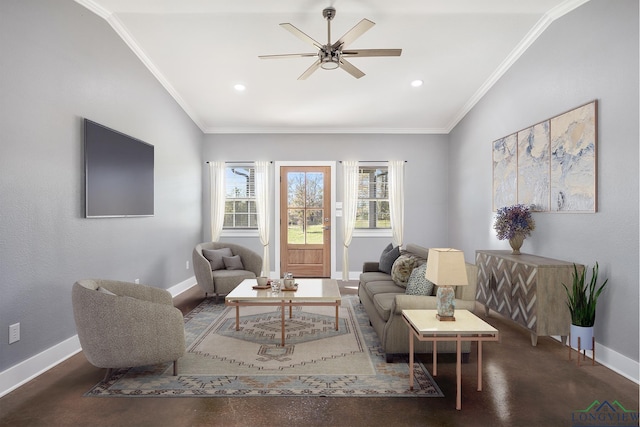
pixel 424 326
pixel 310 292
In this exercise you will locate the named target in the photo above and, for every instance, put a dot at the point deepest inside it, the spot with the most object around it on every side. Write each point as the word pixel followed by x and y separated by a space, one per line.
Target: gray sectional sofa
pixel 383 300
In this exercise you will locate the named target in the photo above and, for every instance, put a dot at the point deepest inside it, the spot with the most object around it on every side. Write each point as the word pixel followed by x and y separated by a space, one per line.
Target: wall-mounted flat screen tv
pixel 118 173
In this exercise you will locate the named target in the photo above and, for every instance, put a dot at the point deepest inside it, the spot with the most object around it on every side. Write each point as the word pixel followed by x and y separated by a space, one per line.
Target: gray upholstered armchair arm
pixel 251 260
pixel 202 270
pixel 370 266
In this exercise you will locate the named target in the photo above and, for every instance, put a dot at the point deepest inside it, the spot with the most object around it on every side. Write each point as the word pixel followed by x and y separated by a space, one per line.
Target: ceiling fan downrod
pixel 329 57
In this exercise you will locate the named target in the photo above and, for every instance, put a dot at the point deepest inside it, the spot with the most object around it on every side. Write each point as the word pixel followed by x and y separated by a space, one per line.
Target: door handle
pixel 326 227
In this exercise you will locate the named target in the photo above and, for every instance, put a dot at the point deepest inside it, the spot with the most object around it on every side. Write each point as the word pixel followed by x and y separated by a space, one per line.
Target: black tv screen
pixel 118 173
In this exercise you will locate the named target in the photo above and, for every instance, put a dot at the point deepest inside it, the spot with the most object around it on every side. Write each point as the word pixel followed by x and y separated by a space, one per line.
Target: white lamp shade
pixel 446 267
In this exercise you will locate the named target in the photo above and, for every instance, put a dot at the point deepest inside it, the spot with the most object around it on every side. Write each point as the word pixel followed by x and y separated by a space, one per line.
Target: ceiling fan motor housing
pixel 329 13
pixel 329 58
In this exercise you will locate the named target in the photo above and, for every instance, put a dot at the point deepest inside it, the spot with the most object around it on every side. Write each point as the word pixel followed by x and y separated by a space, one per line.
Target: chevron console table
pixel 526 289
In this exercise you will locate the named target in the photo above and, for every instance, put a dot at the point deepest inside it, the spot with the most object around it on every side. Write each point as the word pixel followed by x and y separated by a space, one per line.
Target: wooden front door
pixel 305 220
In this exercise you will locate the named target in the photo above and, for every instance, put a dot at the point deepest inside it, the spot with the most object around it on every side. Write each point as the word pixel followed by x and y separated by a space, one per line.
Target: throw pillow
pixel 233 262
pixel 388 257
pixel 418 284
pixel 402 268
pixel 215 257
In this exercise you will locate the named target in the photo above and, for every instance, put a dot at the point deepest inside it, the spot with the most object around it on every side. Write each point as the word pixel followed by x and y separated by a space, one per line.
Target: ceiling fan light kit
pixel 332 55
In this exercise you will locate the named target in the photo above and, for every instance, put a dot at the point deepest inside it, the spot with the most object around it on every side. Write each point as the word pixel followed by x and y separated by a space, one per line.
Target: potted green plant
pixel 582 300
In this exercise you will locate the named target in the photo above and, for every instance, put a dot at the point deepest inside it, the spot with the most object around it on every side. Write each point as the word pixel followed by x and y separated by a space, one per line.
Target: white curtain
pixel 263 169
pixel 217 189
pixel 396 200
pixel 349 205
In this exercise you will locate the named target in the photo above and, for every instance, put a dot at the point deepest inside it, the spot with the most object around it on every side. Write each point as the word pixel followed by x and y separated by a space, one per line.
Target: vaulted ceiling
pixel 200 49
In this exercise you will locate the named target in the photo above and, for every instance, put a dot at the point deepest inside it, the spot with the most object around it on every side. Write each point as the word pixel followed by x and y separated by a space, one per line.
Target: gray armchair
pixel 123 324
pixel 213 277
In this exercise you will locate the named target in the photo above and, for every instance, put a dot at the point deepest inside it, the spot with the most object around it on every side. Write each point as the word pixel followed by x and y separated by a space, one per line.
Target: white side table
pixel 424 326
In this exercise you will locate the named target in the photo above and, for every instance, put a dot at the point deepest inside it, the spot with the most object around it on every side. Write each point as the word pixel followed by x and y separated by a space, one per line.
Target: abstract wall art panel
pixel 573 160
pixel 533 167
pixel 550 166
pixel 505 164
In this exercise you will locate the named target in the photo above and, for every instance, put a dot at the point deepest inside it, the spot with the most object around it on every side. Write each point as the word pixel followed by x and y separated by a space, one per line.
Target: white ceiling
pixel 199 49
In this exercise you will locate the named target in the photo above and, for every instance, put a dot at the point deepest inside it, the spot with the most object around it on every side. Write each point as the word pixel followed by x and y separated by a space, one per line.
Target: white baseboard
pixel 617 362
pixel 182 286
pixel 27 370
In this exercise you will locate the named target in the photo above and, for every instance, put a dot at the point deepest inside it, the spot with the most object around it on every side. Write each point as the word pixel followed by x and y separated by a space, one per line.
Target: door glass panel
pixel 314 232
pixel 296 190
pixel 314 190
pixel 295 224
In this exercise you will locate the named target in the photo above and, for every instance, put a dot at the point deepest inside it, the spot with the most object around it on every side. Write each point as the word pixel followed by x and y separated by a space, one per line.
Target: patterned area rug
pixel 316 360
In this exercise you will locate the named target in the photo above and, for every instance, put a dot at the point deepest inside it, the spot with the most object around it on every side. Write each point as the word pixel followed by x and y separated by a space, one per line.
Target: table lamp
pixel 445 269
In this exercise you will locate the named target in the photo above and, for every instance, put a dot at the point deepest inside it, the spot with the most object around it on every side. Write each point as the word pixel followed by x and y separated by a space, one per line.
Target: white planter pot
pixel 586 337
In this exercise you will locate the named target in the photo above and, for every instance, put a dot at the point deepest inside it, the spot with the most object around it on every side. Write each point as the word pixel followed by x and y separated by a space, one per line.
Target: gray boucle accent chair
pixel 122 324
pixel 218 280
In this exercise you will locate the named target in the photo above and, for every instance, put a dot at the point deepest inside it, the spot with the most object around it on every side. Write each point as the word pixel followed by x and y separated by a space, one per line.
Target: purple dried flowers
pixel 513 220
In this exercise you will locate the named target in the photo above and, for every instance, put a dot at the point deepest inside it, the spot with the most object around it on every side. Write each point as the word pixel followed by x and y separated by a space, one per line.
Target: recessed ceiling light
pixel 416 83
pixel 239 87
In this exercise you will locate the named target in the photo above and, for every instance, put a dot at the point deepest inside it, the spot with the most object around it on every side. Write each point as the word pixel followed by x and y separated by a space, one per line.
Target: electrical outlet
pixel 187 265
pixel 14 333
pixel 137 281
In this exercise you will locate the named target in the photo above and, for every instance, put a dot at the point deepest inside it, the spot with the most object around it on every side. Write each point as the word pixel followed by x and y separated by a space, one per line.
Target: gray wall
pixel 425 180
pixel 60 63
pixel 591 53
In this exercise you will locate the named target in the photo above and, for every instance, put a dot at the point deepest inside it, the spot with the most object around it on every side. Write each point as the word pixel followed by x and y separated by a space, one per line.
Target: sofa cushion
pixel 233 262
pixel 383 304
pixel 402 268
pixel 388 257
pixel 383 287
pixel 418 283
pixel 215 257
pixel 374 276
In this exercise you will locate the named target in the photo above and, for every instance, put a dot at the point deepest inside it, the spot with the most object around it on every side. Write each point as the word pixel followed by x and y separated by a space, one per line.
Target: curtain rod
pixel 243 161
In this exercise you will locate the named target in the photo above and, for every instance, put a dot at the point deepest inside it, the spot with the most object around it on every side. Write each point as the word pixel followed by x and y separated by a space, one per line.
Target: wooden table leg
pixel 435 358
pixel 458 373
pixel 237 317
pixel 410 359
pixel 337 305
pixel 479 365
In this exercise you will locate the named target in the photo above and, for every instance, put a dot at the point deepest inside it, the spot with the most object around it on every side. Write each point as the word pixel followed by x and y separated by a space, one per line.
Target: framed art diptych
pixel 551 165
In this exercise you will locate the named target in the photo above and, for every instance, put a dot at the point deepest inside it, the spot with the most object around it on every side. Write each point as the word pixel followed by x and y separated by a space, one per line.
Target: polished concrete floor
pixel 523 386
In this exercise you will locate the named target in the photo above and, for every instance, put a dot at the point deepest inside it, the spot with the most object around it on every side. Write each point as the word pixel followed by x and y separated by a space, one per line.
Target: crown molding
pixel 131 42
pixel 535 32
pixel 324 130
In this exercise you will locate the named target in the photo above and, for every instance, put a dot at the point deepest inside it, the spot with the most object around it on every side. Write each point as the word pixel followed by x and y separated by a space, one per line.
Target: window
pixel 240 199
pixel 373 198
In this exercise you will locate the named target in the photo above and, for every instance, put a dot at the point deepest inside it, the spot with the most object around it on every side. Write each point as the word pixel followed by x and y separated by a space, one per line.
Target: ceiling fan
pixel 333 55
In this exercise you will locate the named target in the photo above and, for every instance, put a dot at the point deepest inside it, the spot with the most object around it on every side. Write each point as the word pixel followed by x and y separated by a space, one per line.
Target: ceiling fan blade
pixel 302 36
pixel 360 28
pixel 371 52
pixel 310 70
pixel 287 55
pixel 350 68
